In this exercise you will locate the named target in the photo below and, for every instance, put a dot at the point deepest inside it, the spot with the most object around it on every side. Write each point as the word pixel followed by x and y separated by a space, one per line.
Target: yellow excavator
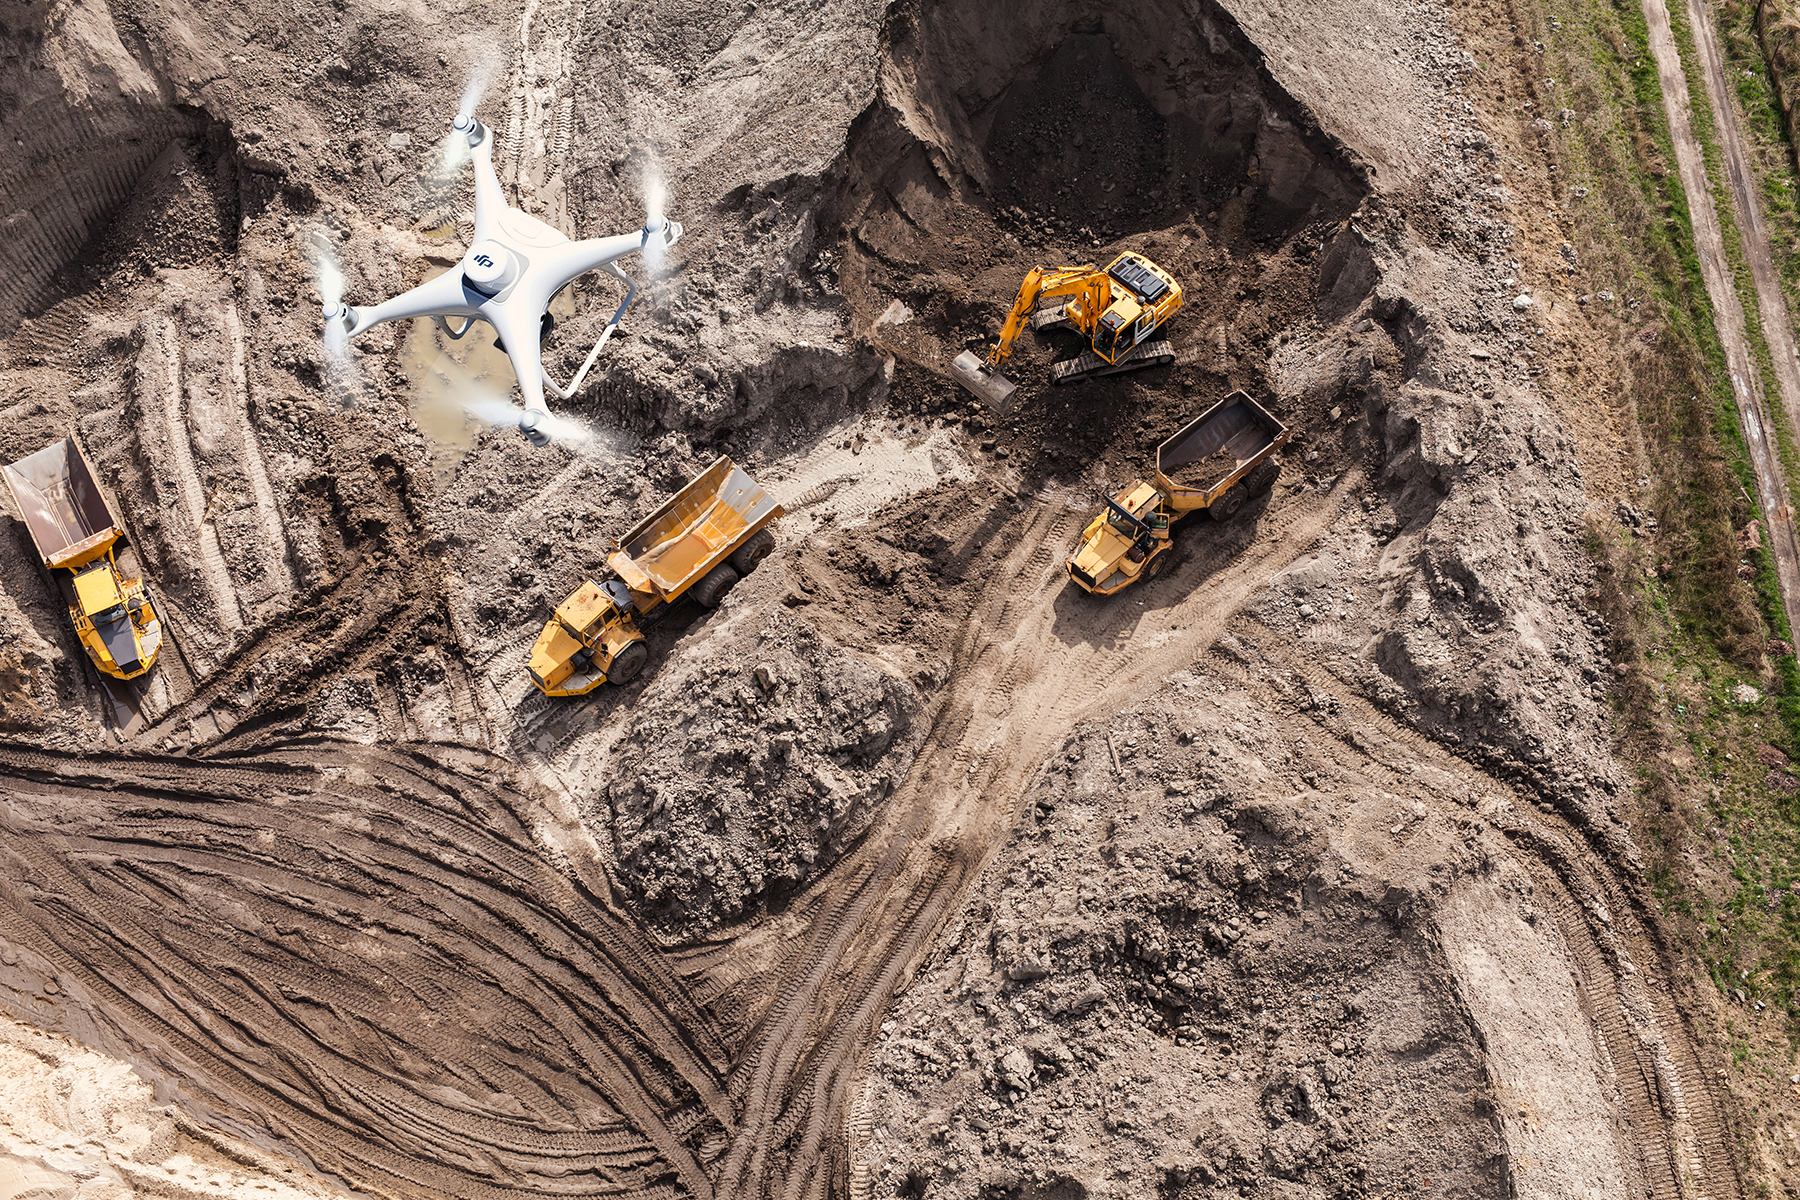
pixel 1116 311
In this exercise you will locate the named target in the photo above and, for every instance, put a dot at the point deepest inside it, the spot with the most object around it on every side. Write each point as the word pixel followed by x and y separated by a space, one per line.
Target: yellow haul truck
pixel 1215 462
pixel 75 530
pixel 709 535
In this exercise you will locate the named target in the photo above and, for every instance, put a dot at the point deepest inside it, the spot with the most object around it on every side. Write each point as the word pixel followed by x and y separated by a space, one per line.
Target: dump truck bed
pixel 675 546
pixel 1216 449
pixel 64 510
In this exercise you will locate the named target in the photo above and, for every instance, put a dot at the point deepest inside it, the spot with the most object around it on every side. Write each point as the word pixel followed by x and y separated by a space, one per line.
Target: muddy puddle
pixel 450 376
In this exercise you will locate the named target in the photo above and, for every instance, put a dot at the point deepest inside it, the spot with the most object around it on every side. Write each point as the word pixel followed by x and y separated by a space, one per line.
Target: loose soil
pixel 908 870
pixel 1207 472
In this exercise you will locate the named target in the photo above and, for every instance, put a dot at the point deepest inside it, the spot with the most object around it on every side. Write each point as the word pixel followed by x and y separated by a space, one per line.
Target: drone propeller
pixel 655 248
pixel 450 392
pixel 540 425
pixel 330 281
pixel 476 87
pixel 341 373
pixel 456 143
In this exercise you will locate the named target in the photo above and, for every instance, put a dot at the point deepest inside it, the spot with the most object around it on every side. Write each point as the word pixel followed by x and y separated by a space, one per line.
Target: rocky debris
pixel 749 763
pixel 1459 604
pixel 1212 958
pixel 1222 988
pixel 1640 525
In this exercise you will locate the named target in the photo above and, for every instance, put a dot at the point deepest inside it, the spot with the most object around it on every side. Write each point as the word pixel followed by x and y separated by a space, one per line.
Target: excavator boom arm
pixel 1041 284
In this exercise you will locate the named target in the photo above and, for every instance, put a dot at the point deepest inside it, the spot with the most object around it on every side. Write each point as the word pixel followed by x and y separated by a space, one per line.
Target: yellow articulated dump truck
pixel 1215 462
pixel 76 531
pixel 709 535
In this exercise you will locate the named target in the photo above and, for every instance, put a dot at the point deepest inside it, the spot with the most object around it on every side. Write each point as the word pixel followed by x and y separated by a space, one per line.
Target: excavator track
pixel 1089 365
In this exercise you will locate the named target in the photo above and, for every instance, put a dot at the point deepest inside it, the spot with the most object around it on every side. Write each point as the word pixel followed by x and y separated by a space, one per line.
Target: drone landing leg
pixel 575 384
pixel 455 335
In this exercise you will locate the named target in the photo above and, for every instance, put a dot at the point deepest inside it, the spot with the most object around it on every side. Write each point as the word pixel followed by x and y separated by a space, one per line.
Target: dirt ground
pixel 1301 870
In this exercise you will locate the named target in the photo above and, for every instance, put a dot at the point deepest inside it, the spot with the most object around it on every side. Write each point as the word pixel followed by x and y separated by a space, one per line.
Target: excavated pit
pixel 1073 136
pixel 1100 123
pixel 83 121
pixel 1082 142
pixel 466 896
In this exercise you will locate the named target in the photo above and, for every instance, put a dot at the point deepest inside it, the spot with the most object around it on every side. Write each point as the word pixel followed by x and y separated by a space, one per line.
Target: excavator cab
pixel 1109 332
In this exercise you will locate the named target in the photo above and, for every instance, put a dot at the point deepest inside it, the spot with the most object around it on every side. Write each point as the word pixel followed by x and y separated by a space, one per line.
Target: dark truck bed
pixel 64 510
pixel 1212 452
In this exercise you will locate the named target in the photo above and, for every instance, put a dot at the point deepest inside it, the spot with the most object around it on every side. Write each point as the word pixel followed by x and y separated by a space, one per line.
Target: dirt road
pixel 1771 302
pixel 356 892
pixel 1754 410
pixel 1034 659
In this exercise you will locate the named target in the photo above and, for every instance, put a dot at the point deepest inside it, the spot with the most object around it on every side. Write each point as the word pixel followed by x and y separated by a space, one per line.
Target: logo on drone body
pixel 483 260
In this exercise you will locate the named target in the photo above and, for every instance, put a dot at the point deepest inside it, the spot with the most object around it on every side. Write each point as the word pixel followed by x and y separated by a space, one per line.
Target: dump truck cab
pixel 104 620
pixel 1125 540
pixel 586 636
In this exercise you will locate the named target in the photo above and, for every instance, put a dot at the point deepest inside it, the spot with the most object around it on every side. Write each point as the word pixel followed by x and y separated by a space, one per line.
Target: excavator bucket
pixel 996 389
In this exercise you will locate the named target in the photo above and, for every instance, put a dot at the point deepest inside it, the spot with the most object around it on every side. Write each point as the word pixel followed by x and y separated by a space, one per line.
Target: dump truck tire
pixel 712 588
pixel 628 663
pixel 1226 506
pixel 1263 478
pixel 746 556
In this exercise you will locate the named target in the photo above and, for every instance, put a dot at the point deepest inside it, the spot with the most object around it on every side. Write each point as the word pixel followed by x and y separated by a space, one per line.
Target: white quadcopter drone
pixel 513 268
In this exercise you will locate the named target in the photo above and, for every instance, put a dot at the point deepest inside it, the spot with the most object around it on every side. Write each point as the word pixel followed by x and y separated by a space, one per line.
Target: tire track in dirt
pixel 55 331
pixel 64 173
pixel 268 512
pixel 349 624
pixel 352 948
pixel 1675 1118
pixel 1033 658
pixel 210 554
pixel 1721 289
pixel 541 106
pixel 1679 1119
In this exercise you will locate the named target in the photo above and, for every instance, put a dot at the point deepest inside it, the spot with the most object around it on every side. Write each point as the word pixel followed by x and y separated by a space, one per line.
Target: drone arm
pixel 443 296
pixel 593 254
pixel 611 268
pixel 519 338
pixel 489 200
